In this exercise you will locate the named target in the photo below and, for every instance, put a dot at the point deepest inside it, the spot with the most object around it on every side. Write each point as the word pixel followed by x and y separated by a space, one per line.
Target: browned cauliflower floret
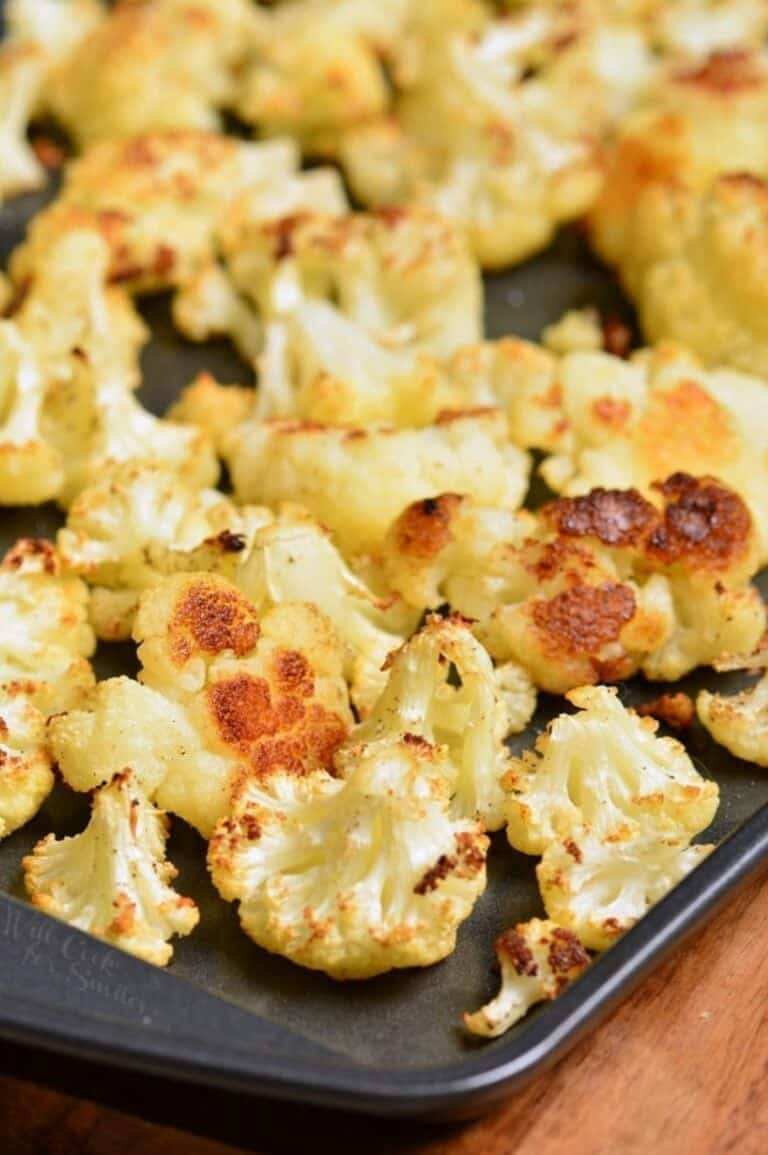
pixel 114 880
pixel 214 406
pixel 357 874
pixel 46 639
pixel 26 771
pixel 635 423
pixel 738 721
pixel 591 588
pixel 140 523
pixel 316 67
pixel 151 64
pixel 226 693
pixel 157 199
pixel 599 889
pixel 538 960
pixel 687 243
pixel 356 481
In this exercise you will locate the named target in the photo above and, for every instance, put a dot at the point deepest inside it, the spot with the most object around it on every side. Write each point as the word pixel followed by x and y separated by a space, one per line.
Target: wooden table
pixel 681 1068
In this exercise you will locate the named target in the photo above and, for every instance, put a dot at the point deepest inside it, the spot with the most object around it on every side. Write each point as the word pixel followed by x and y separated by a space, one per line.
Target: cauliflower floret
pixel 538 960
pixel 605 769
pixel 316 68
pixel 213 406
pixel 155 64
pixel 157 200
pixel 577 331
pixel 295 559
pixel 599 889
pixel 113 880
pixel 353 875
pixel 26 773
pixel 507 158
pixel 632 424
pixel 356 481
pixel 22 72
pixel 55 26
pixel 140 523
pixel 686 243
pixel 226 693
pixel 591 588
pixel 738 721
pixel 469 720
pixel 31 468
pixel 46 639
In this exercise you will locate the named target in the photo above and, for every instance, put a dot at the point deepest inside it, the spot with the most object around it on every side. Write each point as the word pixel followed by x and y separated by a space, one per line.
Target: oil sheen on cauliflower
pixel 114 880
pixel 356 481
pixel 159 64
pixel 355 875
pixel 26 773
pixel 225 692
pixel 590 588
pixel 538 960
pixel 738 721
pixel 140 523
pixel 598 889
pixel 604 769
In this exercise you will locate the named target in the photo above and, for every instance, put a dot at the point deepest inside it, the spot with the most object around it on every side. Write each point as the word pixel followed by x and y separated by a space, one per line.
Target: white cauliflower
pixel 294 559
pixel 114 880
pixel 598 889
pixel 31 468
pixel 738 721
pixel 54 26
pixel 538 960
pixel 22 71
pixel 46 639
pixel 226 693
pixel 604 769
pixel 26 773
pixel 356 481
pixel 442 690
pixel 140 523
pixel 353 875
pixel 157 64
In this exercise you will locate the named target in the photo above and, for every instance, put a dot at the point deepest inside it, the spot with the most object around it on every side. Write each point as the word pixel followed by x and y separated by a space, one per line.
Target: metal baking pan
pixel 229 1016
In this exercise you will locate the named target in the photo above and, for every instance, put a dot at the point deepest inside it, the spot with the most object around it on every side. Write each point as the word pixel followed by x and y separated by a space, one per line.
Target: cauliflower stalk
pixel 22 72
pixel 353 875
pixel 114 880
pixel 538 960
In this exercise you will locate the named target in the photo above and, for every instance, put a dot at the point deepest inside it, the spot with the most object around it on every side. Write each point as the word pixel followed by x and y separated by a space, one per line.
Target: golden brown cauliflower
pixel 114 880
pixel 538 960
pixel 683 208
pixel 631 424
pixel 591 588
pixel 356 481
pixel 151 65
pixel 738 721
pixel 26 771
pixel 356 874
pixel 225 693
pixel 22 70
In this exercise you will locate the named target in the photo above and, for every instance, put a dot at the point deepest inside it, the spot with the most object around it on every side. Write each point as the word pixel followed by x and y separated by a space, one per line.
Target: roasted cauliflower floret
pixel 605 769
pixel 213 406
pixel 316 68
pixel 599 889
pixel 687 243
pixel 46 639
pixel 22 70
pixel 356 481
pixel 140 523
pixel 633 424
pixel 31 468
pixel 151 64
pixel 226 693
pixel 26 773
pixel 353 875
pixel 507 158
pixel 114 880
pixel 294 559
pixel 738 721
pixel 54 26
pixel 157 199
pixel 538 960
pixel 591 588
pixel 469 719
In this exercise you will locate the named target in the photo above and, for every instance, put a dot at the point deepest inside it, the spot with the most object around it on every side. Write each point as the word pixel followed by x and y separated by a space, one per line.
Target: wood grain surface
pixel 680 1068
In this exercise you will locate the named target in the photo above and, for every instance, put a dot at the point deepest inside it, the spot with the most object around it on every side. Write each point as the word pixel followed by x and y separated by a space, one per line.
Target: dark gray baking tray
pixel 228 1015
